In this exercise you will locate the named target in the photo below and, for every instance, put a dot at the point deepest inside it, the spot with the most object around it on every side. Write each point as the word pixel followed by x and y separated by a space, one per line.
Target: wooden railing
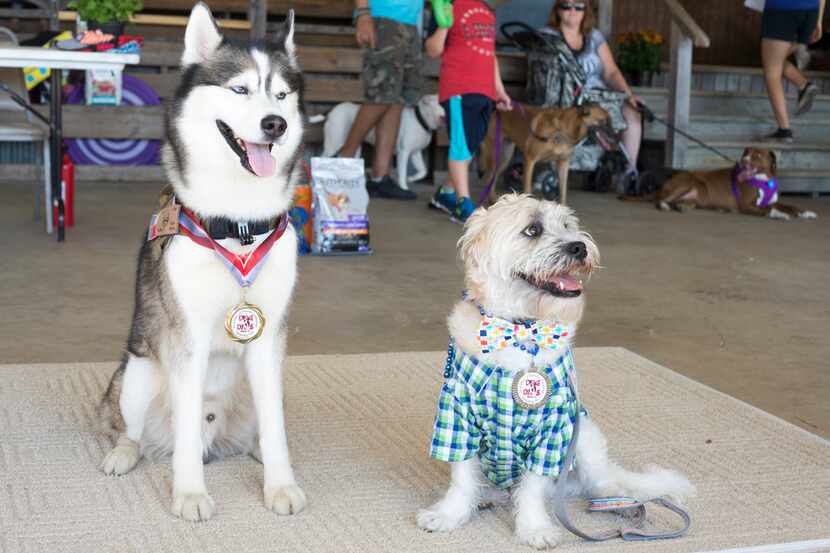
pixel 685 34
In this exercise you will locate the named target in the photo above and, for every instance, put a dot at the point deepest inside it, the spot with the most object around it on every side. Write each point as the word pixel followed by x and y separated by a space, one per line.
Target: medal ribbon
pixel 495 334
pixel 244 267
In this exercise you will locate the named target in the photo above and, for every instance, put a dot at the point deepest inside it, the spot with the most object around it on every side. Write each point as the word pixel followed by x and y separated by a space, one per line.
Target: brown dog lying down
pixel 543 134
pixel 750 187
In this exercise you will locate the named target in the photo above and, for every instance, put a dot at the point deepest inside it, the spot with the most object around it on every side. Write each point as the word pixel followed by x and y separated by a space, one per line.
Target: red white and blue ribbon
pixel 244 267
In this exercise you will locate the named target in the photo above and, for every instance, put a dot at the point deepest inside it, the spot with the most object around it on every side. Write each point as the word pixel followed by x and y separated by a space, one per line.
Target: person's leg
pixel 460 177
pixel 365 120
pixel 792 74
pixel 633 134
pixel 773 55
pixel 386 138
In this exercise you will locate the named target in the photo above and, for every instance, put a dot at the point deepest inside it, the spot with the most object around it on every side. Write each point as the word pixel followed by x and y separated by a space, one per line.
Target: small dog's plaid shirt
pixel 477 415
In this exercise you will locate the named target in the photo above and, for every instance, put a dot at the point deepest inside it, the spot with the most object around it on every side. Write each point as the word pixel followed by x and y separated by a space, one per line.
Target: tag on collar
pixel 165 221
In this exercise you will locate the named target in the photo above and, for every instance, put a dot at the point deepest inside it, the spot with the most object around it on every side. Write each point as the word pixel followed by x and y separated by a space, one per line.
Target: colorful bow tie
pixel 495 334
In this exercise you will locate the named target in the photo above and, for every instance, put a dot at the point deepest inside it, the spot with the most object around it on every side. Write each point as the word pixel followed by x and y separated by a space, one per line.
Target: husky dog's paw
pixel 442 518
pixel 808 215
pixel 194 507
pixel 285 500
pixel 539 537
pixel 121 459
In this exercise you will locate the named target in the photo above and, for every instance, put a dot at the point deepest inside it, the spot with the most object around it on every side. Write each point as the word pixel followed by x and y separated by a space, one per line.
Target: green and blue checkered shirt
pixel 477 415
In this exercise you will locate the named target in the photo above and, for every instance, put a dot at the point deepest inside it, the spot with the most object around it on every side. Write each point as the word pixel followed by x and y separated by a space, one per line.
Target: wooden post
pixel 680 92
pixel 258 16
pixel 605 16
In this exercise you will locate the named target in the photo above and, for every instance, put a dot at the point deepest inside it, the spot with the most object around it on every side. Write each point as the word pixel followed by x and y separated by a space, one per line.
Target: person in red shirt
pixel 468 86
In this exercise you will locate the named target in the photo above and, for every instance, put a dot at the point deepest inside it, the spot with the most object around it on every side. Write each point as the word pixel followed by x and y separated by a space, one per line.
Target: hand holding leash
pixel 365 32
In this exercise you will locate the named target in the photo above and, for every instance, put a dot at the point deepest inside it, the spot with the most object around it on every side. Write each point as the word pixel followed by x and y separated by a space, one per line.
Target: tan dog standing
pixel 542 135
pixel 731 189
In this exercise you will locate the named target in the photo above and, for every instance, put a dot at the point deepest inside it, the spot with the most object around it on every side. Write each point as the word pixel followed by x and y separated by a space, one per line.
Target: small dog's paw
pixel 776 214
pixel 663 206
pixel 121 459
pixel 539 537
pixel 285 500
pixel 439 518
pixel 194 507
pixel 808 215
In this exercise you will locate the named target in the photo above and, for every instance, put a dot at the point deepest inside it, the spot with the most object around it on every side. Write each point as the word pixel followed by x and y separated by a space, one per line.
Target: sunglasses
pixel 565 6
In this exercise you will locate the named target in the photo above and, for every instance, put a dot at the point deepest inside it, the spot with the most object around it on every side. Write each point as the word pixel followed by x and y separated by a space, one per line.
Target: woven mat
pixel 359 428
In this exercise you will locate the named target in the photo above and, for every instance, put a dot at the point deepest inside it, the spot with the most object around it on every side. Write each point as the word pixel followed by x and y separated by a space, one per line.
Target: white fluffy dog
pixel 415 133
pixel 524 260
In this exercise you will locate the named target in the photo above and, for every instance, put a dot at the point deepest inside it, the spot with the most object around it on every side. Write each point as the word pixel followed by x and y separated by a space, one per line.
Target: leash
pixel 650 117
pixel 609 504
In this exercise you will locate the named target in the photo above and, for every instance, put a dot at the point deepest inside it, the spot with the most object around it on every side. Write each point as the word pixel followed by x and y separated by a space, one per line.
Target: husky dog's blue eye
pixel 239 89
pixel 281 96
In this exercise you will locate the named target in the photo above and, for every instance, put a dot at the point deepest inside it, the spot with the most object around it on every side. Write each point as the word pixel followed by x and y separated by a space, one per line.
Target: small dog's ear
pixel 773 162
pixel 470 248
pixel 201 37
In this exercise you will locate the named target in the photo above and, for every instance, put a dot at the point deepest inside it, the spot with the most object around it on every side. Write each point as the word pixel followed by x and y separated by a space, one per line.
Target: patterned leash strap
pixel 636 510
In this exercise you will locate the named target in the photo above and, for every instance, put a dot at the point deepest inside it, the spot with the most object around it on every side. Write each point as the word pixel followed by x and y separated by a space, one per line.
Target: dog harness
pixel 477 415
pixel 767 188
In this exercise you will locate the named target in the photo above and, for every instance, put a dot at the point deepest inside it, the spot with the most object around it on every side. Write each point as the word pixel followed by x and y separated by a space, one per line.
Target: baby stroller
pixel 555 79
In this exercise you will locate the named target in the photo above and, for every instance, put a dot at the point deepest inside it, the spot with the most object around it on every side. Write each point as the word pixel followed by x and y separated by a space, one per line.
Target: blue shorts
pixel 468 116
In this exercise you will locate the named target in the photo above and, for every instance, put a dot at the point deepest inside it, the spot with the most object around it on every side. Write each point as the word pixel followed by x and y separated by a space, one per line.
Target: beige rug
pixel 359 428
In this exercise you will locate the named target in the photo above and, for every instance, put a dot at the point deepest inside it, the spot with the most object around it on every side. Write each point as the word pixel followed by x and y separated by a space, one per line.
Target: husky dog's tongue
pixel 259 156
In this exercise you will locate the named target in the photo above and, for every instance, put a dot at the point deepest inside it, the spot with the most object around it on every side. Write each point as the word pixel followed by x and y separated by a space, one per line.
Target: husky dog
pixel 524 260
pixel 184 387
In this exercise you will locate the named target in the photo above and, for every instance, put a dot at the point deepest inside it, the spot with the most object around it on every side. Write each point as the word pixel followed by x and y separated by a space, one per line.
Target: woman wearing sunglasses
pixel 573 21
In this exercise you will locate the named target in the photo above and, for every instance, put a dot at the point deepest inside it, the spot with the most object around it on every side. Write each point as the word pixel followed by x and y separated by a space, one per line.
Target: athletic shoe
pixel 443 199
pixel 805 98
pixel 781 135
pixel 463 209
pixel 389 189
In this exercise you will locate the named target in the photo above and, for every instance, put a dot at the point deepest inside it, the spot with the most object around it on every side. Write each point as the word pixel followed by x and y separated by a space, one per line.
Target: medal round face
pixel 244 323
pixel 531 389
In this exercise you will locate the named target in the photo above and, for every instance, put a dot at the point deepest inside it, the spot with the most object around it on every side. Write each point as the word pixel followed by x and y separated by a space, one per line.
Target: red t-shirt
pixel 470 52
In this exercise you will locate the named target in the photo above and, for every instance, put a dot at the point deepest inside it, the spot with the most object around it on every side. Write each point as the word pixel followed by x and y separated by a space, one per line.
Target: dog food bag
pixel 340 202
pixel 300 214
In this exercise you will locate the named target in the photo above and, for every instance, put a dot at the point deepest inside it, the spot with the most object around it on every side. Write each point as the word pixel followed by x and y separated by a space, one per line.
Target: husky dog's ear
pixel 201 38
pixel 287 34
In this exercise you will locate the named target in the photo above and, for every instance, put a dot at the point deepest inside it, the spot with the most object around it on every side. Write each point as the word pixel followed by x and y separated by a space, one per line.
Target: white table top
pixel 34 56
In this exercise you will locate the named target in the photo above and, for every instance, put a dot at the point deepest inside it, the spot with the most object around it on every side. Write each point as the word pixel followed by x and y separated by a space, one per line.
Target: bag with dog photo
pixel 340 202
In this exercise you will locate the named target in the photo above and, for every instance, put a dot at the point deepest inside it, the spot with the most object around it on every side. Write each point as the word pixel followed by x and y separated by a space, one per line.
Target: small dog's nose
pixel 577 250
pixel 273 126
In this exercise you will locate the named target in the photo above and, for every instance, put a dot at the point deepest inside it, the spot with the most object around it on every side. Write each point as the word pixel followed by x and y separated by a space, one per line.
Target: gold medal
pixel 531 389
pixel 244 323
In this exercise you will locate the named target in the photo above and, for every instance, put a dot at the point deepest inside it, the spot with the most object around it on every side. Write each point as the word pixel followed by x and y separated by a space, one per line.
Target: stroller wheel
pixel 550 186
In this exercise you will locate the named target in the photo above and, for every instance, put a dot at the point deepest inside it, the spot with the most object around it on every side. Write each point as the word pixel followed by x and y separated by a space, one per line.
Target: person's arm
pixel 365 27
pixel 612 75
pixel 434 45
pixel 503 101
pixel 818 32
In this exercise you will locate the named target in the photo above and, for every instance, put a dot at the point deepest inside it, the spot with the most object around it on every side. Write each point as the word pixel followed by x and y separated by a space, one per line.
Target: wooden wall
pixel 735 31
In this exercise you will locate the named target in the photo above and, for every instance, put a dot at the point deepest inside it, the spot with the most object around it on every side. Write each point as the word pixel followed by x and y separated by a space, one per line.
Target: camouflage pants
pixel 392 69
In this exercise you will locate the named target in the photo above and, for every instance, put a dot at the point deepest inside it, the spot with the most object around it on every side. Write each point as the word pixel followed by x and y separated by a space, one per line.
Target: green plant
pixel 106 10
pixel 639 51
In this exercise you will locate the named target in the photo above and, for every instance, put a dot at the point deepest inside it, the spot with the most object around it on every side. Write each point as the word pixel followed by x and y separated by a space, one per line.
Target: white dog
pixel 524 260
pixel 415 133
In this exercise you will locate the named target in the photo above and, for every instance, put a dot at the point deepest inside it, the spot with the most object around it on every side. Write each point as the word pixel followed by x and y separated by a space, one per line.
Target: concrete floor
pixel 739 303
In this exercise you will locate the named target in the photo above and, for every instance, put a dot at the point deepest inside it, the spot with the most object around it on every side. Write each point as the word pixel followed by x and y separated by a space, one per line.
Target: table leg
pixel 57 156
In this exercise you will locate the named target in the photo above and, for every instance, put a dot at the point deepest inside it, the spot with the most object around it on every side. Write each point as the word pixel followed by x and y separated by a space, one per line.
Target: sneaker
pixel 805 98
pixel 781 135
pixel 443 199
pixel 388 188
pixel 463 209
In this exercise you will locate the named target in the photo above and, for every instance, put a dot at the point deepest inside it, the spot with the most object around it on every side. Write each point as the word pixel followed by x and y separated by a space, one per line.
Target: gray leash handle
pixel 629 534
